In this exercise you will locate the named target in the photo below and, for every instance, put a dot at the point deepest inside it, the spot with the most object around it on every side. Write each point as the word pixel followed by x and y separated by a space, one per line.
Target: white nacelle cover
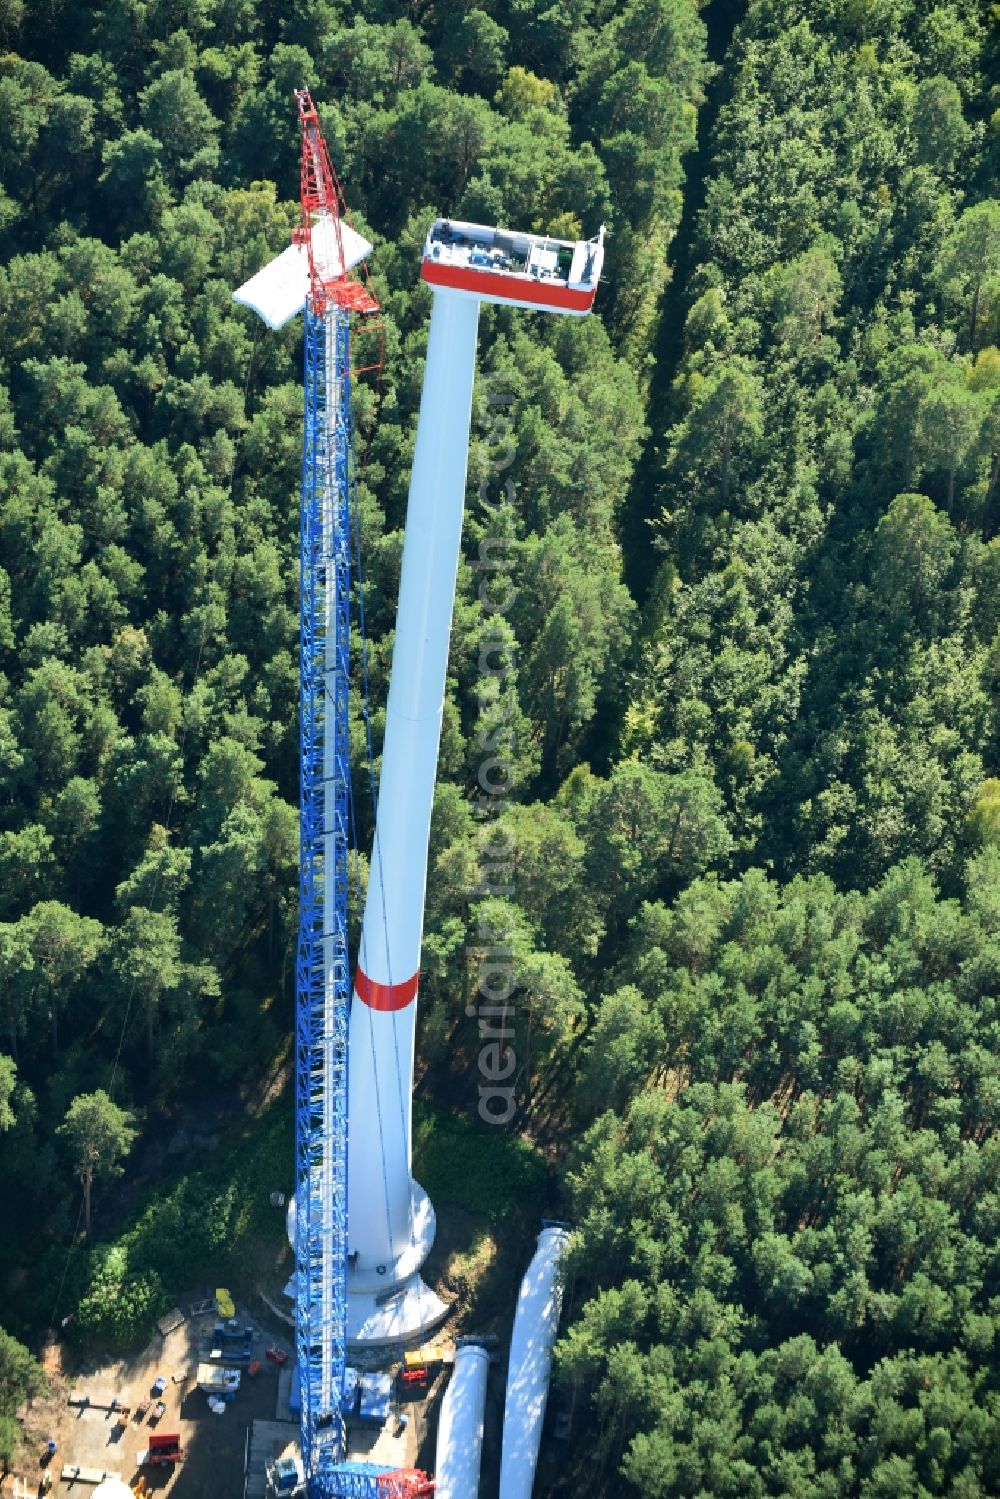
pixel 279 291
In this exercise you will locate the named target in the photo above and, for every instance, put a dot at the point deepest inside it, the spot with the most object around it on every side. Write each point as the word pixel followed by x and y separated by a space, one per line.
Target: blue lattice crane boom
pixel 315 276
pixel 323 983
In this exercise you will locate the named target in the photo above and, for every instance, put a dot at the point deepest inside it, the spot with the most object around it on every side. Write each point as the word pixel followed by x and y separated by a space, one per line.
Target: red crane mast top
pixel 322 198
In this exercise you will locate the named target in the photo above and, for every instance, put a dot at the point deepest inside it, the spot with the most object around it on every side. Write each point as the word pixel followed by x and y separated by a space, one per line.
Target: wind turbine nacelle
pixel 279 291
pixel 519 270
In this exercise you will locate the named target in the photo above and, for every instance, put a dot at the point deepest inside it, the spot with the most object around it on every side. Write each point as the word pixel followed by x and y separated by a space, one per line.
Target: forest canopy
pixel 750 517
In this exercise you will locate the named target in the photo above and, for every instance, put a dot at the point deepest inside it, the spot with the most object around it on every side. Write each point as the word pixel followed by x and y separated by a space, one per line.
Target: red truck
pixel 164 1449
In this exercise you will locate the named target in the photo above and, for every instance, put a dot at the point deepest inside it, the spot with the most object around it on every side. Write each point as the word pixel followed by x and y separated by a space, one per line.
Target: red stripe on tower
pixel 386 996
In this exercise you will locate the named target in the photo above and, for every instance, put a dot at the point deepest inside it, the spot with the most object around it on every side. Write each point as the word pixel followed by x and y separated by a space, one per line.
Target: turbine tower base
pixel 406 1314
pixel 391 1304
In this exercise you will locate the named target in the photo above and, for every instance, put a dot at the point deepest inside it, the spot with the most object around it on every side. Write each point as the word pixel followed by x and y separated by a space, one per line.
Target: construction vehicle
pixel 230 1343
pixel 217 1380
pixel 285 1479
pixel 164 1450
pixel 430 1357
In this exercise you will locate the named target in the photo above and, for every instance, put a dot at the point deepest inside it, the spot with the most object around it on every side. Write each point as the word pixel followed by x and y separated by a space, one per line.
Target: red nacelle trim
pixel 386 996
pixel 505 286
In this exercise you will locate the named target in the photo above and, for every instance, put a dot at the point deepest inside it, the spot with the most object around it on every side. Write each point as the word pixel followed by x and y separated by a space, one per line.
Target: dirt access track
pixel 94 1438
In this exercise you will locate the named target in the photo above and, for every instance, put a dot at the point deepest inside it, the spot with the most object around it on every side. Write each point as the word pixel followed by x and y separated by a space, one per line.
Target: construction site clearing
pixel 144 1419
